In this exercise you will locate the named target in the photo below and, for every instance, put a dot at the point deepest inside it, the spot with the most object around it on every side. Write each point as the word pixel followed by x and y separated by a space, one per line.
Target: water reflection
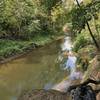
pixel 68 62
pixel 48 86
pixel 67 44
pixel 38 69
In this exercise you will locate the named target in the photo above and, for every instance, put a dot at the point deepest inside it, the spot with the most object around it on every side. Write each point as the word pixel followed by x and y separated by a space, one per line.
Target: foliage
pixel 59 17
pixel 32 19
pixel 9 47
pixel 47 5
pixel 85 13
pixel 81 41
pixel 25 18
pixel 17 18
pixel 12 47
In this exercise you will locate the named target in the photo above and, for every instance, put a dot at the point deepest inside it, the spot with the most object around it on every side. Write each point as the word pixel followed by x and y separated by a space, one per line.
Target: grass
pixel 12 47
pixel 9 47
pixel 41 40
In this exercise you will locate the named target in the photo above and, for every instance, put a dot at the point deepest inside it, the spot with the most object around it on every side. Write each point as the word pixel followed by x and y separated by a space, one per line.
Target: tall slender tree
pixel 93 38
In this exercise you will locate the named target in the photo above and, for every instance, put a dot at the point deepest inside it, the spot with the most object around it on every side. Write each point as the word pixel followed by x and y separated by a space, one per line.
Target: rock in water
pixel 83 93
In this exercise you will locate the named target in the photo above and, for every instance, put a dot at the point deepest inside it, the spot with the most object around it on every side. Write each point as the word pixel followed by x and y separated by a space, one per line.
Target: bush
pixel 9 47
pixel 81 41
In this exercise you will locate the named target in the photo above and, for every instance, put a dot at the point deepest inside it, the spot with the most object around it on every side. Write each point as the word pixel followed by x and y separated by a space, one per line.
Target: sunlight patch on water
pixel 67 44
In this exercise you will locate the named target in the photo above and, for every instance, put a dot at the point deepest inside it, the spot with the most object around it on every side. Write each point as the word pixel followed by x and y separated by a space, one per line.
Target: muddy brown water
pixel 38 69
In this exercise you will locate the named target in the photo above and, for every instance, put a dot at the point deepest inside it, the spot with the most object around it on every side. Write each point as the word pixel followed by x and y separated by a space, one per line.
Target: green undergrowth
pixel 41 40
pixel 12 47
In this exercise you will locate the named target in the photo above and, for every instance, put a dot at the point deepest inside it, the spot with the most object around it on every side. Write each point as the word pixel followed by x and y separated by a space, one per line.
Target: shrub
pixel 81 41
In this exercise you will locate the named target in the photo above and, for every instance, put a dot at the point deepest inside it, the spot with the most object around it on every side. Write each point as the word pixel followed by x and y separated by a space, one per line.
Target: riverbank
pixel 12 49
pixel 93 72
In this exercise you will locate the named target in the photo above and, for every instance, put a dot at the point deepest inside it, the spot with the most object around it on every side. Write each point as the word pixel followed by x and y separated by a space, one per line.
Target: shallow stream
pixel 38 69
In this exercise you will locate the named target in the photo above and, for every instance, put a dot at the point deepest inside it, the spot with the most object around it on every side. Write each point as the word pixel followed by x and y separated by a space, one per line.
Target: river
pixel 37 69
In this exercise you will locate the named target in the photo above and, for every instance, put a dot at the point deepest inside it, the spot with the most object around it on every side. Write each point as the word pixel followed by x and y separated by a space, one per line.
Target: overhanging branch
pixel 95 42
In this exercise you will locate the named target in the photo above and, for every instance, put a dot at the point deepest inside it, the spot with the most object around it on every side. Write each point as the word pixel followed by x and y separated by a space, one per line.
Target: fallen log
pixel 84 84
